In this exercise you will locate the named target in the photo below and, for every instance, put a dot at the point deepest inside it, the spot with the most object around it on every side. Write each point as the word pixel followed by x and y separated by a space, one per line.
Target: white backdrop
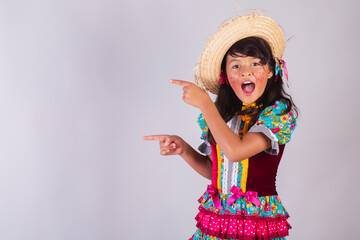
pixel 82 81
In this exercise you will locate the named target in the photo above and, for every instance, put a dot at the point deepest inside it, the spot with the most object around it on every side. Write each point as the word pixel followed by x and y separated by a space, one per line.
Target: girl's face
pixel 247 77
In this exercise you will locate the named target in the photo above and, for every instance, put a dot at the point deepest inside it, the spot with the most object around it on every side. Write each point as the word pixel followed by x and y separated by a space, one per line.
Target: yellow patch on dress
pixel 219 160
pixel 245 164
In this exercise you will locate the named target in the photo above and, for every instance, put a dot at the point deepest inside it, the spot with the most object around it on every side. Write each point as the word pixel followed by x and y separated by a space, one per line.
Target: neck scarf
pixel 245 163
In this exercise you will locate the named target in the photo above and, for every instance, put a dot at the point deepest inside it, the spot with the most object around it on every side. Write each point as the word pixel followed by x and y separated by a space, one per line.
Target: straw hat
pixel 209 65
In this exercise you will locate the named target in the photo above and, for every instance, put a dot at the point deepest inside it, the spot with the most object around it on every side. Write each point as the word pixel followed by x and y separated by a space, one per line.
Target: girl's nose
pixel 245 72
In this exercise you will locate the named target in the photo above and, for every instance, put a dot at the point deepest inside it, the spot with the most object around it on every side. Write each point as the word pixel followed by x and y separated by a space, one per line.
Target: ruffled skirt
pixel 199 235
pixel 241 220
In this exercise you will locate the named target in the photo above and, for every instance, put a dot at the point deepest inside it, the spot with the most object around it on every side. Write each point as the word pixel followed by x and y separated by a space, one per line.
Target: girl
pixel 244 131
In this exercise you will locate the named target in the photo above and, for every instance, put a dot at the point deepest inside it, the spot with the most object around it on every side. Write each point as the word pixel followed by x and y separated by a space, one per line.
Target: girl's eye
pixel 256 64
pixel 235 66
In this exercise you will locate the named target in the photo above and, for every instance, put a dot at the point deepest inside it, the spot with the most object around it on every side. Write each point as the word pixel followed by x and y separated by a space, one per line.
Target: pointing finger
pixel 154 137
pixel 180 82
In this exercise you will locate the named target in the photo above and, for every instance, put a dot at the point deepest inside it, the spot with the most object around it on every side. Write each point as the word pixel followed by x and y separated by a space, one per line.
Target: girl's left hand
pixel 192 94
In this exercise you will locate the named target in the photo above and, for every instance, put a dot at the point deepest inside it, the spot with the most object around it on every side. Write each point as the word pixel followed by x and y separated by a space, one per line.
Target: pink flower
pixel 275 130
pixel 267 207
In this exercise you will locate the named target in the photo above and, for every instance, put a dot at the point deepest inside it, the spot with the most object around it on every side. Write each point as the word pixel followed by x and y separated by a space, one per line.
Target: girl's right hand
pixel 169 144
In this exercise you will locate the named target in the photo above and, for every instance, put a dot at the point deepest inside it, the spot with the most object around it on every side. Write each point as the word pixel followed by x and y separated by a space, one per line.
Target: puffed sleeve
pixel 276 125
pixel 205 147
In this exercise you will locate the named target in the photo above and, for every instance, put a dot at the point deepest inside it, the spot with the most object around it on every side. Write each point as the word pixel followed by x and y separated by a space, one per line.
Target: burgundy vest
pixel 262 172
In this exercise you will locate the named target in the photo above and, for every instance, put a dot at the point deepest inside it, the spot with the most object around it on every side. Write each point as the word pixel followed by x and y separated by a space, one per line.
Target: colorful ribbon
pixel 280 68
pixel 223 78
pixel 213 192
pixel 237 193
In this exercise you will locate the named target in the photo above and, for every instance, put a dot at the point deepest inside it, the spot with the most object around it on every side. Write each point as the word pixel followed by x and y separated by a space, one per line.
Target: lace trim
pixel 225 169
pixel 234 174
pixel 235 169
pixel 225 175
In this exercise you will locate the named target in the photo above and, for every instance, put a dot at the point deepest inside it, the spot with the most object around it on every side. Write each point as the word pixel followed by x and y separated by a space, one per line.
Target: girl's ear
pixel 270 74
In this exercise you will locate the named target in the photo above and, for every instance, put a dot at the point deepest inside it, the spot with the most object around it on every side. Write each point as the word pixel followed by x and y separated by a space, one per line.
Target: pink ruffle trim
pixel 243 216
pixel 240 226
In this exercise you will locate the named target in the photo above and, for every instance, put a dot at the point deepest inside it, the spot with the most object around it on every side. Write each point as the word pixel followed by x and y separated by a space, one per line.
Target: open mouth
pixel 248 87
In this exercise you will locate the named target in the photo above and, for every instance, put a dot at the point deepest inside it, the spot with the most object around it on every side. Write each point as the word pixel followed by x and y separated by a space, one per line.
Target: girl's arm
pixel 202 164
pixel 235 149
pixel 175 145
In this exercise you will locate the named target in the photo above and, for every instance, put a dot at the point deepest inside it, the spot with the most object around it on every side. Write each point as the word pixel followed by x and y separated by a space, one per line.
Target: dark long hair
pixel 229 105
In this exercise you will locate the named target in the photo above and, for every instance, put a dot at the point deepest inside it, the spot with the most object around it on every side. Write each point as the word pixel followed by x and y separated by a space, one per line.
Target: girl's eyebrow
pixel 239 57
pixel 234 60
